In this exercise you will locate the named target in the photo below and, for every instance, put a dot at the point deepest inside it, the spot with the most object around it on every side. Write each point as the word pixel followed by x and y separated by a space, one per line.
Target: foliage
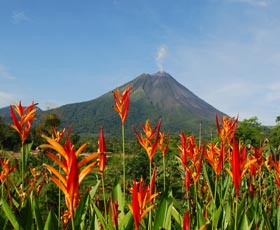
pixel 229 182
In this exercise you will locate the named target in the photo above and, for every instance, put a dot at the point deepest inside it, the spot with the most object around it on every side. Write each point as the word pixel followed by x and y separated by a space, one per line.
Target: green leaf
pixel 26 216
pixel 163 216
pixel 210 182
pixel 126 222
pixel 176 215
pixel 244 225
pixel 37 214
pixel 227 216
pixel 100 217
pixel 51 222
pixel 278 217
pixel 216 217
pixel 94 189
pixel 118 195
pixel 9 214
pixel 81 212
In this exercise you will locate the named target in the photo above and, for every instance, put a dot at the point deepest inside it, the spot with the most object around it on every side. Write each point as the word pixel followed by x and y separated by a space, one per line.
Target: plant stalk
pixel 124 187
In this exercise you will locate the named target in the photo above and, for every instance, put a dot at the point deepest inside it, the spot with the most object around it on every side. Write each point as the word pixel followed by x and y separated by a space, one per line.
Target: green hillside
pixel 153 97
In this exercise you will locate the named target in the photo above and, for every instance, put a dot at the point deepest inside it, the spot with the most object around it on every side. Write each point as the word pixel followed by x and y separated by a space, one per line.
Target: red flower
pixel 102 151
pixel 22 118
pixel 141 197
pixel 239 165
pixel 191 157
pixel 228 129
pixel 71 177
pixel 186 225
pixel 122 102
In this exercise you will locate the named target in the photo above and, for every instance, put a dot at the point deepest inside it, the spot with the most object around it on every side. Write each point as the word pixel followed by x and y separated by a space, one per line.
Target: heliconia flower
pixel 72 172
pixel 239 165
pixel 228 129
pixel 215 157
pixel 182 150
pixel 163 143
pixel 257 166
pixel 122 102
pixel 37 181
pixel 58 135
pixel 191 157
pixel 186 224
pixel 6 170
pixel 187 179
pixel 150 141
pixel 22 118
pixel 276 166
pixel 141 197
pixel 102 151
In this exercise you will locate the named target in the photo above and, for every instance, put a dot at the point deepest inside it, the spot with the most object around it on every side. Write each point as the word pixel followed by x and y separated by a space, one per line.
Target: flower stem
pixel 124 187
pixel 22 165
pixel 104 198
pixel 236 209
pixel 163 163
pixel 73 223
pixel 150 217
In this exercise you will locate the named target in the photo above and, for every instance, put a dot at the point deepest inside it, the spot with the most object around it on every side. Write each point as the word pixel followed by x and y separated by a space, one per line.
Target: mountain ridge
pixel 153 96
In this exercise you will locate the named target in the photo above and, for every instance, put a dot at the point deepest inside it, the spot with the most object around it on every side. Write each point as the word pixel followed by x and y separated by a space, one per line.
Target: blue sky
pixel 225 51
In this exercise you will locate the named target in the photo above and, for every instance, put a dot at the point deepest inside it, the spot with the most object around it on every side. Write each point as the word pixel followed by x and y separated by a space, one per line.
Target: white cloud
pixel 161 55
pixel 261 3
pixel 19 17
pixel 5 73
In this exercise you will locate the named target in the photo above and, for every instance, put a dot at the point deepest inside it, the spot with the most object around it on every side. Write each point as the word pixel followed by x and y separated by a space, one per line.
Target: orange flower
pixel 228 129
pixel 163 143
pixel 215 157
pixel 58 135
pixel 22 118
pixel 6 170
pixel 150 141
pixel 122 102
pixel 72 172
pixel 141 197
pixel 191 157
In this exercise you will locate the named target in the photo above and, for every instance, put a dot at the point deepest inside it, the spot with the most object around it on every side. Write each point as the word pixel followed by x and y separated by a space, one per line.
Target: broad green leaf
pixel 100 217
pixel 244 225
pixel 227 215
pixel 94 189
pixel 117 194
pixel 176 215
pixel 51 222
pixel 37 214
pixel 9 214
pixel 81 212
pixel 216 217
pixel 126 222
pixel 210 182
pixel 26 216
pixel 163 216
